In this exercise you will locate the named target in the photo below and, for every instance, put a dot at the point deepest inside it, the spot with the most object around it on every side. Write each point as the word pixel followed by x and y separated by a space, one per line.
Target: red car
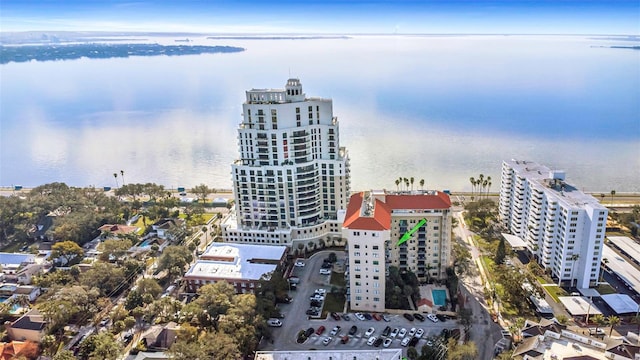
pixel 377 316
pixel 320 330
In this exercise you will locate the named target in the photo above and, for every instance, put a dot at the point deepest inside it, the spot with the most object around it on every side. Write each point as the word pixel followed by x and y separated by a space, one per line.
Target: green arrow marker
pixel 408 234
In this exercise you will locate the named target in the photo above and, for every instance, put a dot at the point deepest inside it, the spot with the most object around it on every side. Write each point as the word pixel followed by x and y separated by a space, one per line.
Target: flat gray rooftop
pixel 623 269
pixel 627 245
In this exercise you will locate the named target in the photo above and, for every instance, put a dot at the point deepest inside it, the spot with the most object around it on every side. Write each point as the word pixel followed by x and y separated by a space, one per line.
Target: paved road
pixel 484 332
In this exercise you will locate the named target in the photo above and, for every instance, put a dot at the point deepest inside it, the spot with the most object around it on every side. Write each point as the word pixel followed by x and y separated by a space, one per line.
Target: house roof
pixel 527 345
pixel 7 259
pixel 627 350
pixel 33 320
pixel 357 217
pixel 118 228
pixel 437 200
pixel 14 348
pixel 621 303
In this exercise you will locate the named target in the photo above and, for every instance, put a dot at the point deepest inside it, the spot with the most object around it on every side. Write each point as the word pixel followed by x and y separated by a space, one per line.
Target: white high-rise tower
pixel 292 178
pixel 561 226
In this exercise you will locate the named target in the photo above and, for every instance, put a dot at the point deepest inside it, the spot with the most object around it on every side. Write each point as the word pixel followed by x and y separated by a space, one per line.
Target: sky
pixel 615 17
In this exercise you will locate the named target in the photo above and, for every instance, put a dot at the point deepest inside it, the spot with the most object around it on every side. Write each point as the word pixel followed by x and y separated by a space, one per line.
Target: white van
pixel 274 322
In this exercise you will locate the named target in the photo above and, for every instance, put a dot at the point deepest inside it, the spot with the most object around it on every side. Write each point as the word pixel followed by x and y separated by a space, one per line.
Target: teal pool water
pixel 439 297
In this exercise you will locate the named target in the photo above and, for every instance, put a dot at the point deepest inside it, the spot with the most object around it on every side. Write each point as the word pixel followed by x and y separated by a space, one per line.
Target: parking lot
pixel 296 318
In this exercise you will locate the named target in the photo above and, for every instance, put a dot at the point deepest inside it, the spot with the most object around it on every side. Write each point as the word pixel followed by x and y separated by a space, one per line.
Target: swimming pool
pixel 439 297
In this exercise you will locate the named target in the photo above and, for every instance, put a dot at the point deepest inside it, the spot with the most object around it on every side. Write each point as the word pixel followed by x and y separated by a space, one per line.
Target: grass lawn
pixel 337 279
pixel 333 303
pixel 140 224
pixel 542 280
pixel 555 291
pixel 605 289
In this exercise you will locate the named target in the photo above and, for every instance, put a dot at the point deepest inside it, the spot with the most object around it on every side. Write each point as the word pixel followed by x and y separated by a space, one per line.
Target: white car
pixel 405 341
pixel 369 332
pixel 327 340
pixel 316 298
pixel 419 333
pixel 411 332
pixel 371 340
pixel 432 317
pixel 321 291
pixel 394 332
pixel 325 272
pixel 402 333
pixel 299 264
pixel 335 330
pixel 387 342
pixel 360 316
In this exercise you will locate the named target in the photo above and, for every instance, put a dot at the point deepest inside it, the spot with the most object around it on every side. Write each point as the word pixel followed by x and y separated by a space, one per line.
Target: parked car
pixel 394 332
pixel 405 341
pixel 335 331
pixel 317 298
pixel 325 272
pixel 419 316
pixel 412 332
pixel 371 340
pixel 321 291
pixel 313 311
pixel 377 317
pixel 346 317
pixel 386 331
pixel 326 266
pixel 315 303
pixel 360 317
pixel 402 333
pixel 308 332
pixel 408 316
pixel 353 330
pixel 387 342
pixel 369 332
pixel 386 317
pixel 432 317
pixel 327 340
pixel 344 339
pixel 414 341
pixel 419 333
pixel 320 330
pixel 274 322
pixel 335 316
pixel 367 316
pixel 378 342
pixel 299 263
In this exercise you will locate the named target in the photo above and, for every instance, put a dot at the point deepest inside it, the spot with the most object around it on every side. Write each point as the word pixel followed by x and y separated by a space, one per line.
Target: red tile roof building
pixel 374 223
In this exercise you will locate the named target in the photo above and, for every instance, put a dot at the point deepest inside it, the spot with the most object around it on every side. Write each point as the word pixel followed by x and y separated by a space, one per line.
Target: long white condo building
pixel 292 178
pixel 561 226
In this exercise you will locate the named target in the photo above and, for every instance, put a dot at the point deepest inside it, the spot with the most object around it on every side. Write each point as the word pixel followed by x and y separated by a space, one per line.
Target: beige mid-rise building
pixel 374 224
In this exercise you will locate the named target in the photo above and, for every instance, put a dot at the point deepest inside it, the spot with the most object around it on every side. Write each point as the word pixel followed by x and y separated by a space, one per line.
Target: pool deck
pixel 426 303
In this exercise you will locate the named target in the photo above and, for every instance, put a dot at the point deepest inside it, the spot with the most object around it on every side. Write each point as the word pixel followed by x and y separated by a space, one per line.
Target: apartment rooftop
pixel 237 261
pixel 552 182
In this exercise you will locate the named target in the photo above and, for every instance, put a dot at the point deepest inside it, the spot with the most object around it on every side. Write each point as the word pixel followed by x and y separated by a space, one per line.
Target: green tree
pixel 110 278
pixel 412 353
pixel 599 320
pixel 68 251
pixel 174 259
pixel 101 346
pixel 64 355
pixel 501 253
pixel 114 249
pixel 411 180
pixel 398 184
pixel 202 191
pixel 210 345
pixel 467 351
pixel 612 321
pixel 465 317
pixel 422 184
pixel 613 193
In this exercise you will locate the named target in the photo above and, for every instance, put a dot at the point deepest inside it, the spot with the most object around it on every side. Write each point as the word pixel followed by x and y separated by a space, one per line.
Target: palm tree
pixel 397 184
pixel 599 320
pixel 115 175
pixel 472 180
pixel 422 184
pixel 602 197
pixel 484 186
pixel 488 186
pixel 411 180
pixel 406 183
pixel 122 174
pixel 612 320
pixel 613 192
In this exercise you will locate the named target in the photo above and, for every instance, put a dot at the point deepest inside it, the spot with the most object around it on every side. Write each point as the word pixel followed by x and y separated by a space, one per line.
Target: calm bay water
pixel 442 108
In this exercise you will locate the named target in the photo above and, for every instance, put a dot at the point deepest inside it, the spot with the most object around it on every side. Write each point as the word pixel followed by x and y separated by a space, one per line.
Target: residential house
pixel 160 337
pixel 30 327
